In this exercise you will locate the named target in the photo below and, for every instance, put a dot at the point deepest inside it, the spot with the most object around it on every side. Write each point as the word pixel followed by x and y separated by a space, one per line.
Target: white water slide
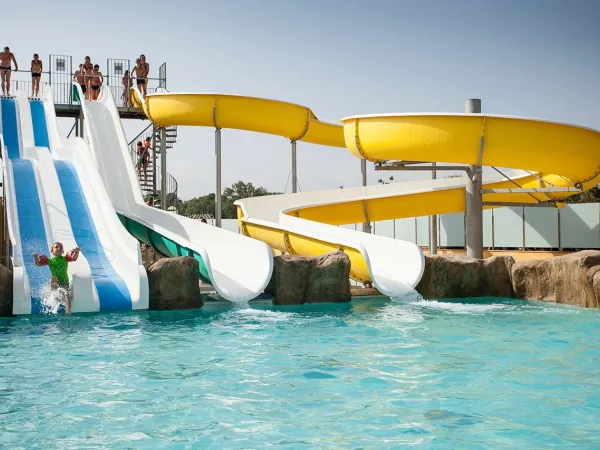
pixel 54 193
pixel 238 267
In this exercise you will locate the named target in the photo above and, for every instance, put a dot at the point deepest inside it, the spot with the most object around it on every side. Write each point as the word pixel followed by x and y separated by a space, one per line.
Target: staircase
pixel 151 185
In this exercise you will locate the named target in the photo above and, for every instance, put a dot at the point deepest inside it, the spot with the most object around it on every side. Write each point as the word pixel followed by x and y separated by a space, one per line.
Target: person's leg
pixel 37 86
pixel 3 74
pixel 67 296
pixel 8 74
pixel 146 161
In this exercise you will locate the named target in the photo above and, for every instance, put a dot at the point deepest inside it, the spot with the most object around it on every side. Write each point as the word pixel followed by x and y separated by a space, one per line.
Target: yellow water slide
pixel 553 156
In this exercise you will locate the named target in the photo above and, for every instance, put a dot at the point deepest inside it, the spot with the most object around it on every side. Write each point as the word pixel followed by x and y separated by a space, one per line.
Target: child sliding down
pixel 59 272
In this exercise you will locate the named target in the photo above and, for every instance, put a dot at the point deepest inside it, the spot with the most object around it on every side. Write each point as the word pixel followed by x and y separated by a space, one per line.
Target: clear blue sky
pixel 538 58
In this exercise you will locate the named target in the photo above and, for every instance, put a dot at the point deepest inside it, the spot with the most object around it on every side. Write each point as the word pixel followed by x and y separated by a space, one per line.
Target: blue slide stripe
pixel 40 128
pixel 112 291
pixel 31 222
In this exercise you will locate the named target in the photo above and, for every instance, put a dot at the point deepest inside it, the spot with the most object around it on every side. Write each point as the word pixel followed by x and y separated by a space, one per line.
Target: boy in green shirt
pixel 59 272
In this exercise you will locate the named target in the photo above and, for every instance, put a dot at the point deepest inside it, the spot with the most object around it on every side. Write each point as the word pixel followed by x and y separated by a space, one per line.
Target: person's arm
pixel 73 255
pixel 40 260
pixel 15 61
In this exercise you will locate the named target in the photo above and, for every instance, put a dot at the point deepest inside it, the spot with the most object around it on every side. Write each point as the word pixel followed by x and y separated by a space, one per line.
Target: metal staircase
pixel 151 185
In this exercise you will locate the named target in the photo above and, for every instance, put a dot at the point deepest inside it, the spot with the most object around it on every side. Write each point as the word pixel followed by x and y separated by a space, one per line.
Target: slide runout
pixel 114 256
pixel 239 268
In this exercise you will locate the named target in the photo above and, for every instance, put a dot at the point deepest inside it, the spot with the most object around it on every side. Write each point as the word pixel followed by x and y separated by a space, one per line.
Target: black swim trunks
pixel 83 88
pixel 36 75
pixel 140 81
pixel 95 88
pixel 6 69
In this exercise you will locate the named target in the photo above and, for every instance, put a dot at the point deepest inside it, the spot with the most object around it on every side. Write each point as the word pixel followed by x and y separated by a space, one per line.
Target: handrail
pixel 141 133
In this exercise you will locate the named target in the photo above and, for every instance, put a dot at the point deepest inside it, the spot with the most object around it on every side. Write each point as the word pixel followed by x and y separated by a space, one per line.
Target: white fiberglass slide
pixel 238 267
pixel 54 210
pixel 115 263
pixel 396 266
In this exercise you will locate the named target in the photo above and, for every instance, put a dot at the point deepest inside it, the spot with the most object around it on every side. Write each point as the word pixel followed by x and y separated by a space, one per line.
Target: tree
pixel 591 196
pixel 205 204
pixel 238 191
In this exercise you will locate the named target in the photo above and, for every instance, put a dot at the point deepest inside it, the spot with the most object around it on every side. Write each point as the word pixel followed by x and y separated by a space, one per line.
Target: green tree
pixel 238 191
pixel 205 204
pixel 591 196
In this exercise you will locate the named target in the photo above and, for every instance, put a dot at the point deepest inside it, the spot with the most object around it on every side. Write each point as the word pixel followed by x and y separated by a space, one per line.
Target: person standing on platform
pixel 6 60
pixel 36 75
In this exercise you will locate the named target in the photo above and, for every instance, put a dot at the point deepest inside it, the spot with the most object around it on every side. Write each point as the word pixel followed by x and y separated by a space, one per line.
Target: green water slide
pixel 163 245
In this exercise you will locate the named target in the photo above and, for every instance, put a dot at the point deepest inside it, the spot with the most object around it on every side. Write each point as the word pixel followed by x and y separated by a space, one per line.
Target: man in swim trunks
pixel 143 152
pixel 36 75
pixel 6 60
pixel 59 271
pixel 96 82
pixel 141 71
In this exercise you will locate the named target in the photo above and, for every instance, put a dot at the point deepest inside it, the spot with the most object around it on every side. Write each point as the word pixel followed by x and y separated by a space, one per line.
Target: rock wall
pixel 174 284
pixel 459 276
pixel 572 279
pixel 297 280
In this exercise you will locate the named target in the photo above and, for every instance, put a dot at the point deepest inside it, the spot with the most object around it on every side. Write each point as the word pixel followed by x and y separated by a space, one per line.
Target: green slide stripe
pixel 162 245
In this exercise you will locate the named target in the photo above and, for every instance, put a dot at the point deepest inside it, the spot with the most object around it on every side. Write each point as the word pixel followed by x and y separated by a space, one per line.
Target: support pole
pixel 81 124
pixel 218 204
pixel 76 127
pixel 154 173
pixel 363 171
pixel 163 168
pixel 474 202
pixel 433 222
pixel 294 169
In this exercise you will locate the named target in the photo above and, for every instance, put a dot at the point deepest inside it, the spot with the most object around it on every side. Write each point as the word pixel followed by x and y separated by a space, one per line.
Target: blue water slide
pixel 112 290
pixel 29 211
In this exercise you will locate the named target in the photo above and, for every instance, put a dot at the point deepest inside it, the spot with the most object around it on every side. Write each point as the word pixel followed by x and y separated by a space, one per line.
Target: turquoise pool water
pixel 373 374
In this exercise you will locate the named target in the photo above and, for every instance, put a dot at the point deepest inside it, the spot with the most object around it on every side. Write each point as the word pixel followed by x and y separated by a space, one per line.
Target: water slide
pixel 238 268
pixel 50 198
pixel 549 157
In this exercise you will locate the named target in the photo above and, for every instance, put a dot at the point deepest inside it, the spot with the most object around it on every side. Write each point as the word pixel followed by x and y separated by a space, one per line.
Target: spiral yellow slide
pixel 555 155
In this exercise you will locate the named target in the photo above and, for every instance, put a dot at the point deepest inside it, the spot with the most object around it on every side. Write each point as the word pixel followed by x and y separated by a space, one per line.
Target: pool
pixel 371 374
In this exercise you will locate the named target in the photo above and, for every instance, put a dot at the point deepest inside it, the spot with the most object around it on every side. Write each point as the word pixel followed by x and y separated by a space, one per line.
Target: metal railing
pixel 58 77
pixel 154 191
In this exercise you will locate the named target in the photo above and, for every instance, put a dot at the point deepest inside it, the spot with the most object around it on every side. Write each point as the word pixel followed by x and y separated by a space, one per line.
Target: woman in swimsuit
pixel 127 83
pixel 88 69
pixel 36 75
pixel 80 78
pixel 96 81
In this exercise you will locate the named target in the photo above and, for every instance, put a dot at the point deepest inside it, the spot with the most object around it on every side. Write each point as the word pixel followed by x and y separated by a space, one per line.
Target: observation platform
pixel 58 75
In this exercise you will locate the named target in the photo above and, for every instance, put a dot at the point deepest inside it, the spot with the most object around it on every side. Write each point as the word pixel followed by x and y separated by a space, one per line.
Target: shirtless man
pixel 36 75
pixel 96 81
pixel 6 60
pixel 142 69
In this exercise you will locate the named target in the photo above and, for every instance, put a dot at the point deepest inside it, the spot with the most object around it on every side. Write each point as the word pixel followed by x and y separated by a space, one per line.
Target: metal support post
pixel 294 169
pixel 474 202
pixel 363 171
pixel 433 222
pixel 163 168
pixel 218 204
pixel 81 124
pixel 76 127
pixel 154 173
